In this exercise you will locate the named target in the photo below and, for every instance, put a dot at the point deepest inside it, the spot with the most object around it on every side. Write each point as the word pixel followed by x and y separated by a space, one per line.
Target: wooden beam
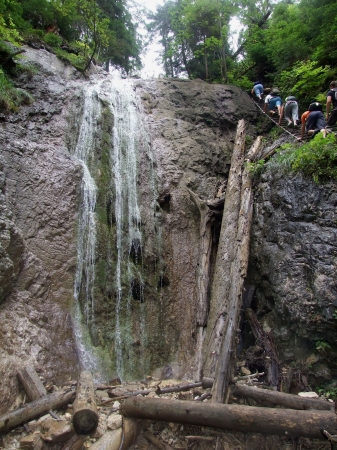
pixel 247 419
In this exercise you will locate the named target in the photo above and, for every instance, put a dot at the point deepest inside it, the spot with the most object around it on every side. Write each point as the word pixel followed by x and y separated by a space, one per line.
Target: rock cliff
pixel 190 127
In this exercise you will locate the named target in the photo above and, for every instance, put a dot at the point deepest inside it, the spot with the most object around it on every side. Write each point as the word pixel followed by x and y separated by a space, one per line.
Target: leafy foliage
pixel 316 159
pixel 306 78
pixel 98 29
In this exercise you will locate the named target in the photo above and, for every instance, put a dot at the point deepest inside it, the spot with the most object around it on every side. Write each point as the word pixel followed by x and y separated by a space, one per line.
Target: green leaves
pixel 305 78
pixel 316 159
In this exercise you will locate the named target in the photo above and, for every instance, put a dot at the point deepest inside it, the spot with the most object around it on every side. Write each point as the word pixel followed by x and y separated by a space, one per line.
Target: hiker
pixel 290 111
pixel 272 102
pixel 258 89
pixel 331 97
pixel 313 121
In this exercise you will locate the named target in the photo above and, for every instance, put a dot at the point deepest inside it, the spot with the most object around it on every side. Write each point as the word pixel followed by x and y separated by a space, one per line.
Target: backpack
pixel 315 106
pixel 334 97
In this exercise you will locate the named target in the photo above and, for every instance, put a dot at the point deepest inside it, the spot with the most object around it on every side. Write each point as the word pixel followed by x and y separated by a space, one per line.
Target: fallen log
pixel 111 440
pixel 85 417
pixel 178 388
pixel 233 300
pixel 282 399
pixel 247 419
pixel 120 439
pixel 35 409
pixel 74 443
pixel 31 383
pixel 218 314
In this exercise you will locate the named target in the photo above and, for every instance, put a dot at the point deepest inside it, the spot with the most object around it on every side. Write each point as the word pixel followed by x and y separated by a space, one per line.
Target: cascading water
pixel 109 271
pixel 87 231
pixel 127 135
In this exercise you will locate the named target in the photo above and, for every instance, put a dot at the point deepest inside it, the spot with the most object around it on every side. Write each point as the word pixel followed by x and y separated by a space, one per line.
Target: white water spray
pixel 85 271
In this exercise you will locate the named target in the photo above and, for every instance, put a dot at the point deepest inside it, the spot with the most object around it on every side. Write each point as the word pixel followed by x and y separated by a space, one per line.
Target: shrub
pixel 10 97
pixel 316 159
pixel 53 40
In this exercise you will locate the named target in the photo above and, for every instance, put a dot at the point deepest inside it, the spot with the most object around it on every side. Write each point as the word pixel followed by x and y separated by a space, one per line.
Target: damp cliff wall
pixel 190 128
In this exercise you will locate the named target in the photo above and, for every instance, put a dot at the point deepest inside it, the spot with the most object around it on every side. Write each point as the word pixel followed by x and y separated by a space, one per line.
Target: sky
pixel 152 68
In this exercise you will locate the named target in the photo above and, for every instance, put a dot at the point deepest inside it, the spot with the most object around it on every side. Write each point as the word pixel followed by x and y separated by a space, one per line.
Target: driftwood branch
pixel 246 419
pixel 158 391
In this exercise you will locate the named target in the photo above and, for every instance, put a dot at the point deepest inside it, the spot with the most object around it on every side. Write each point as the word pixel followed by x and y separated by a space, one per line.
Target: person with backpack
pixel 258 89
pixel 273 103
pixel 290 111
pixel 313 121
pixel 331 98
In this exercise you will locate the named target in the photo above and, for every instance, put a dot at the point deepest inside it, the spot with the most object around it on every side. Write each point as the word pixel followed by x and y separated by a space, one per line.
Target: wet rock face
pixel 12 245
pixel 293 264
pixel 192 126
pixel 38 210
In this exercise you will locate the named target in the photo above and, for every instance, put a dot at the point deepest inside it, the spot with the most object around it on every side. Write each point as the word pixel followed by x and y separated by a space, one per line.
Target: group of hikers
pixel 312 121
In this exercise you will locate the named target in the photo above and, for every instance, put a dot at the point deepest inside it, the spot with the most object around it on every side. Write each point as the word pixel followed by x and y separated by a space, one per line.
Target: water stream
pixel 86 244
pixel 128 140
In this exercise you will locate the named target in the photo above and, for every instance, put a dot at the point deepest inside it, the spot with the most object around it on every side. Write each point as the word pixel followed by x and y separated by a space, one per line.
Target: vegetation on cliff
pixel 283 43
pixel 77 31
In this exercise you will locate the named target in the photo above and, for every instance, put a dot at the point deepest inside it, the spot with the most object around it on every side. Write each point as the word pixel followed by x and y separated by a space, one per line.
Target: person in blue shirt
pixel 258 89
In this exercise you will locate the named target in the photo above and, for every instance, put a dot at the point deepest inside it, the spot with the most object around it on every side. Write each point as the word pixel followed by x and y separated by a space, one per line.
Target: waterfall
pixel 127 134
pixel 86 233
pixel 111 109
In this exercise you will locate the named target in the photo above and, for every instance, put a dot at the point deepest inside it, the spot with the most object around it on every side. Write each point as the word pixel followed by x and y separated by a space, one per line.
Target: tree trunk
pixel 225 256
pixel 35 409
pixel 85 418
pixel 203 276
pixel 185 61
pixel 246 419
pixel 280 398
pixel 224 369
pixel 206 61
pixel 233 262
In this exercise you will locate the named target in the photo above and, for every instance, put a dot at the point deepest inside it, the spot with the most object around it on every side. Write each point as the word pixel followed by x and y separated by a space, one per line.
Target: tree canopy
pixel 289 44
pixel 78 30
pixel 283 44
